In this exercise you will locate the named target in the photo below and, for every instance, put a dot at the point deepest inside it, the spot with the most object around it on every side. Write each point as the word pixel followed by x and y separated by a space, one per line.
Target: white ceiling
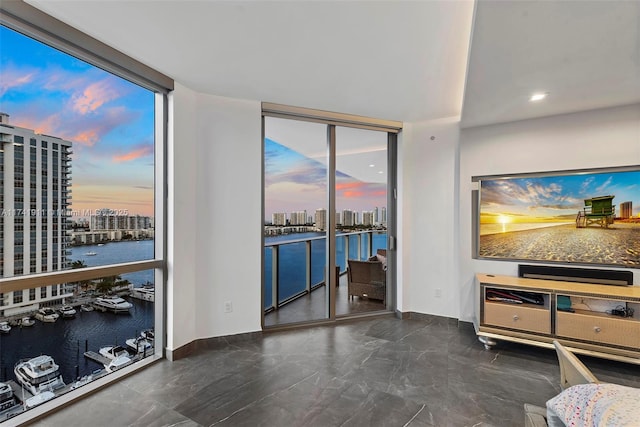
pixel 397 60
pixel 585 54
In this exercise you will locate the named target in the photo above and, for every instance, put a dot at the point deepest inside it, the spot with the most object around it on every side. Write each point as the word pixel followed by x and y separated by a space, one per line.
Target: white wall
pixel 427 211
pixel 214 205
pixel 228 216
pixel 599 138
pixel 181 235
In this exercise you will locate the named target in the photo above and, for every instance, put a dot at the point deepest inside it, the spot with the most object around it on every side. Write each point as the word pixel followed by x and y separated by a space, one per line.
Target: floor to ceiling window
pixel 81 225
pixel 326 211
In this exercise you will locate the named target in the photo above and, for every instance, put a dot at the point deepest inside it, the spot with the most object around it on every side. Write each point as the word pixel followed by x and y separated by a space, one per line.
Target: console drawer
pixel 599 329
pixel 517 317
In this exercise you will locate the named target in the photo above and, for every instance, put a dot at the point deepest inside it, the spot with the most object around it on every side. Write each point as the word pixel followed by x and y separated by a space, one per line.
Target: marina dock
pixel 97 357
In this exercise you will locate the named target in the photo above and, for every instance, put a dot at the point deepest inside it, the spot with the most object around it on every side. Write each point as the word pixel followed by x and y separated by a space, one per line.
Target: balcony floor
pixel 313 306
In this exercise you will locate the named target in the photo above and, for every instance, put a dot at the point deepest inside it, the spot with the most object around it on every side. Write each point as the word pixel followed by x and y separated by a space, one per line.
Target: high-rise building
pixel 279 218
pixel 348 218
pixel 108 219
pixel 338 218
pixel 321 219
pixel 298 218
pixel 626 210
pixel 383 219
pixel 367 218
pixel 35 180
pixel 376 217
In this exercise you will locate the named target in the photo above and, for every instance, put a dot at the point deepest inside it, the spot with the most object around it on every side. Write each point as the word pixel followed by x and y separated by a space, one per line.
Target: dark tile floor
pixel 383 371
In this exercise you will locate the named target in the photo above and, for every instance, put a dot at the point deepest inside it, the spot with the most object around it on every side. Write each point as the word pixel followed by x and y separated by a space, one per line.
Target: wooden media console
pixel 601 320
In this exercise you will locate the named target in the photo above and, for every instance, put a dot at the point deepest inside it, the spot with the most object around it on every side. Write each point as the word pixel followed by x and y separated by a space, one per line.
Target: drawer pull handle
pixel 596 329
pixel 515 317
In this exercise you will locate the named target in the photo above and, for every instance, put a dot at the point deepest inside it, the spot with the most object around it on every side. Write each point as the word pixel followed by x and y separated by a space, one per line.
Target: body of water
pixel 115 253
pixel 66 340
pixel 509 227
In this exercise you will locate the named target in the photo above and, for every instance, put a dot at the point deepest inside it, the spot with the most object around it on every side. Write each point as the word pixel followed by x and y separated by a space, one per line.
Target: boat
pixel 86 307
pixel 47 315
pixel 113 351
pixel 67 311
pixel 145 293
pixel 27 321
pixel 84 380
pixel 5 328
pixel 100 244
pixel 115 304
pixel 91 253
pixel 140 345
pixel 39 399
pixel 148 334
pixel 118 357
pixel 39 374
pixel 7 400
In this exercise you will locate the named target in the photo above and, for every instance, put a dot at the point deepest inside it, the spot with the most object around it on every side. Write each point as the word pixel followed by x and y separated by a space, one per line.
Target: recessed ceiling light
pixel 380 172
pixel 372 165
pixel 538 97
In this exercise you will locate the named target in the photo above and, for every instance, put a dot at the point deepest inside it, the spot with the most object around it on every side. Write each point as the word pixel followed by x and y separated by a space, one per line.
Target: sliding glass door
pixel 325 198
pixel 361 206
pixel 295 195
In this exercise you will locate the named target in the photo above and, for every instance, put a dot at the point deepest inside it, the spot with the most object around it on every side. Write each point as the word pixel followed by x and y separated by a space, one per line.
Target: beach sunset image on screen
pixel 584 218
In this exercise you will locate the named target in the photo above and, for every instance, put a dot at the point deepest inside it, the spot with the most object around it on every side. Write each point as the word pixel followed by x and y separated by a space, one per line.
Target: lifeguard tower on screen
pixel 598 210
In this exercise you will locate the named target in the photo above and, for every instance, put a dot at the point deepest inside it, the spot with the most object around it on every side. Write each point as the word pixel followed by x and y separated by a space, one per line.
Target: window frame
pixel 33 23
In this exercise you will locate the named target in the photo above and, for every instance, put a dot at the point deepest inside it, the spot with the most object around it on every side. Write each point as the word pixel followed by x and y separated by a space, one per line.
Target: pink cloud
pixel 88 130
pixel 86 137
pixel 12 77
pixel 94 96
pixel 47 125
pixel 143 151
pixel 352 194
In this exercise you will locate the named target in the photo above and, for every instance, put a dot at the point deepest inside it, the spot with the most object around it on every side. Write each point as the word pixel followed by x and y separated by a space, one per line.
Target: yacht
pixel 39 374
pixel 5 328
pixel 145 293
pixel 86 307
pixel 115 304
pixel 148 334
pixel 47 314
pixel 91 253
pixel 6 397
pixel 67 311
pixel 140 345
pixel 27 321
pixel 118 357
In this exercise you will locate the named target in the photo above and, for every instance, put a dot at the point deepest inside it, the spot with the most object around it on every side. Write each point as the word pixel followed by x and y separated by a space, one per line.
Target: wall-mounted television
pixel 570 217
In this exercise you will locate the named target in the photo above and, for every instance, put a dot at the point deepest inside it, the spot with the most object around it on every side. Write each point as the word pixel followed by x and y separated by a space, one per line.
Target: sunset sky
pixel 294 182
pixel 110 121
pixel 554 199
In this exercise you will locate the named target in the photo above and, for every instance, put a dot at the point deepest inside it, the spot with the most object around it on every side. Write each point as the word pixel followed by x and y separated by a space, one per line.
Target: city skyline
pixel 109 120
pixel 295 183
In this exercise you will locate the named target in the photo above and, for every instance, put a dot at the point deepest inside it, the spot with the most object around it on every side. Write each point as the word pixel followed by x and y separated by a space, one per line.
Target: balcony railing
pixel 296 267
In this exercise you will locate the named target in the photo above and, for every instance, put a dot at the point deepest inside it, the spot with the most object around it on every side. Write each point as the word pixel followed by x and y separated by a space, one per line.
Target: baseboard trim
pixel 210 344
pixel 220 342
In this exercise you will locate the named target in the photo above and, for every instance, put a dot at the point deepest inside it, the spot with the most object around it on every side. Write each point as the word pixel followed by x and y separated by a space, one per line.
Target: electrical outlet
pixel 228 307
pixel 438 292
